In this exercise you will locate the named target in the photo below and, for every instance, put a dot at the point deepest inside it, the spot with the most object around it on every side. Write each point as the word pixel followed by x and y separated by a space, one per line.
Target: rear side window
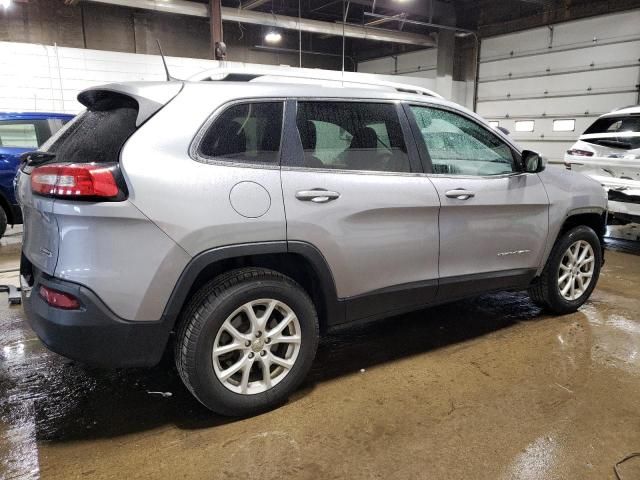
pixel 18 134
pixel 98 134
pixel 247 132
pixel 352 136
pixel 617 132
pixel 27 133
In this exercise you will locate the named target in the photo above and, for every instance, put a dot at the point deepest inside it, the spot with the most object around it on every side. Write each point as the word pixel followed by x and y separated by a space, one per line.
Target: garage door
pixel 547 85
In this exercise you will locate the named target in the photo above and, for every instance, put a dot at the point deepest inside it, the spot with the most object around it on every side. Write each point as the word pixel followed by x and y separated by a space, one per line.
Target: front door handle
pixel 317 195
pixel 460 194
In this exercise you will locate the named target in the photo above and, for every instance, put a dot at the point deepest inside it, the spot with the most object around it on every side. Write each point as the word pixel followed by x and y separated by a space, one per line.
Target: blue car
pixel 19 133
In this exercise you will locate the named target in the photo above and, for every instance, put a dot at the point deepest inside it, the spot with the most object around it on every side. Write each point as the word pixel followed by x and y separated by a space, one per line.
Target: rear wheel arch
pixel 298 260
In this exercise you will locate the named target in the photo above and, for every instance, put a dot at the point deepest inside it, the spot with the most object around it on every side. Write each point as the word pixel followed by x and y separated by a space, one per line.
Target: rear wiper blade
pixel 36 158
pixel 614 143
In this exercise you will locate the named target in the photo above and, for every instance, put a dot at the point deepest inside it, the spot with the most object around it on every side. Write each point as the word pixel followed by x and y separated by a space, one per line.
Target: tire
pixel 3 222
pixel 206 323
pixel 546 291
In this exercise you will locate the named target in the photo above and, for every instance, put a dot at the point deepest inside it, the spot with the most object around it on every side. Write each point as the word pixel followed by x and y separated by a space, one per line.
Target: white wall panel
pixel 556 106
pixel 413 63
pixel 580 70
pixel 551 62
pixel 45 78
pixel 599 80
pixel 602 28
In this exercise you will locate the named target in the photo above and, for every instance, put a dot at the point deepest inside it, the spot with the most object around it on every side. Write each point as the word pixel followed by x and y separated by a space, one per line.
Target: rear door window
pixel 245 133
pixel 352 136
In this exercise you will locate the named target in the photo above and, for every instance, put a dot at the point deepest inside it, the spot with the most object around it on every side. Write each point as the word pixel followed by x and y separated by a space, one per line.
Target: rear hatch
pixel 95 136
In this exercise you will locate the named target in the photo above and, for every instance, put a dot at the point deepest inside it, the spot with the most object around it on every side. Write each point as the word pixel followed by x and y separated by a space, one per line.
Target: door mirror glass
pixel 533 161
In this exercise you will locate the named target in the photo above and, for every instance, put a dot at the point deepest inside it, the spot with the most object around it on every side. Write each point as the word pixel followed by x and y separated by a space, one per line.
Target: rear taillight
pixel 579 153
pixel 79 181
pixel 58 299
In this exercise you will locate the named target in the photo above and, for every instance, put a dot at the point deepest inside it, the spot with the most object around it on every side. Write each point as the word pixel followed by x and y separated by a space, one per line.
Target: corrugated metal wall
pixel 572 71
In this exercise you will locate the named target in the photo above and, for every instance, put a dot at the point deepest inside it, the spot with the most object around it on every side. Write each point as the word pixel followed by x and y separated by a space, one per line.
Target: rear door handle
pixel 317 195
pixel 460 194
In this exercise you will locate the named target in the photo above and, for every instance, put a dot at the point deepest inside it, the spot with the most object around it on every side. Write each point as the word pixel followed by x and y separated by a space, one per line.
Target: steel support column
pixel 215 23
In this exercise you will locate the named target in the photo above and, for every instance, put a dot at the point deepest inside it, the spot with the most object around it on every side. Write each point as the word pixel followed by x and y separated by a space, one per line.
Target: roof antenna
pixel 164 62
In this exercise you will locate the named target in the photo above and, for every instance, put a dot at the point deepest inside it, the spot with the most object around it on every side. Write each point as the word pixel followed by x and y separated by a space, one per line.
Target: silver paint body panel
pixel 381 232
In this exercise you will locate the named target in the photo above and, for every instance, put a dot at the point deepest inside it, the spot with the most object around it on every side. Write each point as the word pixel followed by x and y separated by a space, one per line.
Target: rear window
pixel 618 132
pixel 97 134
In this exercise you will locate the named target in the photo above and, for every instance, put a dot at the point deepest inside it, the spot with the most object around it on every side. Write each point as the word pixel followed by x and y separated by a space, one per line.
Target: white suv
pixel 609 152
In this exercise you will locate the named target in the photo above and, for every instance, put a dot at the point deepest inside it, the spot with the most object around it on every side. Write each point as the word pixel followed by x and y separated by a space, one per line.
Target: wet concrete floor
pixel 489 388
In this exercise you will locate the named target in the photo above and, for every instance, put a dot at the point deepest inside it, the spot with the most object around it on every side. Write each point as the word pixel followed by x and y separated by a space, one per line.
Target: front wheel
pixel 247 339
pixel 571 272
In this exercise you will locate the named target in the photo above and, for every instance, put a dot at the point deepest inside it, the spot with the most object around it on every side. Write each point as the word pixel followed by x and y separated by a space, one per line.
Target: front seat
pixel 361 154
pixel 309 137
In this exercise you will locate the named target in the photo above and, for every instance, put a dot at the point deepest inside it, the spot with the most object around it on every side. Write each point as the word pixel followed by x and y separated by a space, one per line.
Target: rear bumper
pixel 92 334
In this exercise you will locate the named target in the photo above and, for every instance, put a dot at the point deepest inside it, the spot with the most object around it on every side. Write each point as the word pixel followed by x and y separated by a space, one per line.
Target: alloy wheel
pixel 576 270
pixel 256 346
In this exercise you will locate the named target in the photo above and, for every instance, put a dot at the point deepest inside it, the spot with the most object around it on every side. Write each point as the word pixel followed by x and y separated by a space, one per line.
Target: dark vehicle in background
pixel 20 133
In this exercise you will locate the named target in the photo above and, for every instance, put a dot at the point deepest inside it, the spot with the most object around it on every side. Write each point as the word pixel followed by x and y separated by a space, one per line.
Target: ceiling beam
pixel 230 14
pixel 251 4
pixel 380 21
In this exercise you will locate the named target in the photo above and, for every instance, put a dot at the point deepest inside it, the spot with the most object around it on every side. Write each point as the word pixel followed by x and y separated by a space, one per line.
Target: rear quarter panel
pixel 190 200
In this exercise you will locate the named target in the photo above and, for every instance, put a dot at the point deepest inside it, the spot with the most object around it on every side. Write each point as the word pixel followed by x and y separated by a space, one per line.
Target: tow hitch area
pixel 14 294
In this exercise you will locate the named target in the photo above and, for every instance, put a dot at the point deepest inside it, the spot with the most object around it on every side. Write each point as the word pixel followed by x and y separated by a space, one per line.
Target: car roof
pixel 630 110
pixel 297 76
pixel 33 115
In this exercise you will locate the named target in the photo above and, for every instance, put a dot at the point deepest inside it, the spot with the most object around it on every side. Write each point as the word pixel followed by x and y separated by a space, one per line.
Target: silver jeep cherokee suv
pixel 242 219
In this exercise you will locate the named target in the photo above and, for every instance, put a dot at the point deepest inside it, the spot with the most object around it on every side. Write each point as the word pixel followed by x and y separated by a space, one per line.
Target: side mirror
pixel 533 161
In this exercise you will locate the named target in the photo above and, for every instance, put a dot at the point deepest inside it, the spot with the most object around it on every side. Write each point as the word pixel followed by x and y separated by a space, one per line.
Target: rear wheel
pixel 571 272
pixel 247 339
pixel 3 222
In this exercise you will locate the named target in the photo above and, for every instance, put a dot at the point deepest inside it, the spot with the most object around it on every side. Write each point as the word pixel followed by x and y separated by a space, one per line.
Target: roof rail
pixel 326 77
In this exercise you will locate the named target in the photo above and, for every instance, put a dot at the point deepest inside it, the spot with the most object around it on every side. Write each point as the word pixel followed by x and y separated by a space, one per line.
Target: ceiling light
pixel 273 37
pixel 5 3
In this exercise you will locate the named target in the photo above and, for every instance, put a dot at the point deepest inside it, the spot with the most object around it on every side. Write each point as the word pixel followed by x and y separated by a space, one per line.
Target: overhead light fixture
pixel 462 33
pixel 5 3
pixel 271 37
pixel 402 1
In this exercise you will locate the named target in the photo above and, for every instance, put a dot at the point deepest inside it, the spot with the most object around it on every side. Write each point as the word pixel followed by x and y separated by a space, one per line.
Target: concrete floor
pixel 483 389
